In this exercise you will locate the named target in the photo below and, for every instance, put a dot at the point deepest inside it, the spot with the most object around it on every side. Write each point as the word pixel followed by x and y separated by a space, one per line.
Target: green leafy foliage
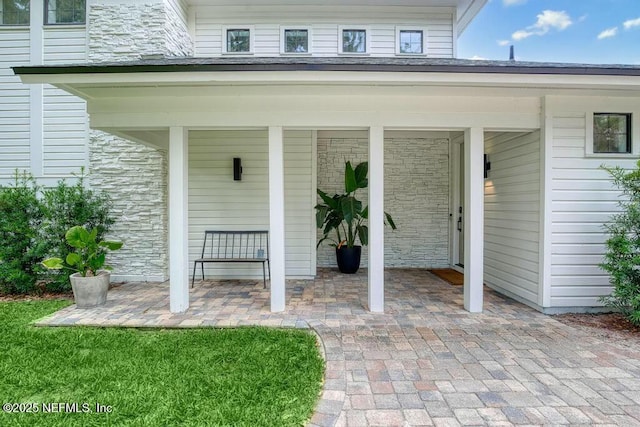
pixel 33 223
pixel 622 258
pixel 89 255
pixel 21 217
pixel 66 206
pixel 343 213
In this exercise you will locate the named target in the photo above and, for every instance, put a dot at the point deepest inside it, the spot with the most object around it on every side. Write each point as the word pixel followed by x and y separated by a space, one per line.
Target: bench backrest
pixel 236 244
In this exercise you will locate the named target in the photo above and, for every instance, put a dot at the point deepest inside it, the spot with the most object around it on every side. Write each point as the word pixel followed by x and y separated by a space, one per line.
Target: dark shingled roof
pixel 341 63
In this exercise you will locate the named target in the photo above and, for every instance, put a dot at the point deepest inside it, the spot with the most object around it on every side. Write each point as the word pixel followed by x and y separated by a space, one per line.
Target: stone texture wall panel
pixel 416 196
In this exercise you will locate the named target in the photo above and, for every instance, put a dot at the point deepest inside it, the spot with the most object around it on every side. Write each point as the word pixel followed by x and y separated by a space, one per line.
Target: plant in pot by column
pixel 90 282
pixel 344 215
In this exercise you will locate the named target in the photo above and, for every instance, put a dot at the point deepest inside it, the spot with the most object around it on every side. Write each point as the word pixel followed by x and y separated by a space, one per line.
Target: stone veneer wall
pixel 416 195
pixel 134 175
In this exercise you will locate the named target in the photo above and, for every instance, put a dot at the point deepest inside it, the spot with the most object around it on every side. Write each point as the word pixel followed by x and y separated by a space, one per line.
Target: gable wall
pixel 582 198
pixel 323 21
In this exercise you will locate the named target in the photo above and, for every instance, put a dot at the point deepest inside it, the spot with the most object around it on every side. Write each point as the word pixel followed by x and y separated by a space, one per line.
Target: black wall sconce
pixel 237 169
pixel 487 166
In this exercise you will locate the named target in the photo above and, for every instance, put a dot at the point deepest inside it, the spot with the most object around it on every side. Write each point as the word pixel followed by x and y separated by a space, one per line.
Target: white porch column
pixel 276 218
pixel 178 219
pixel 376 219
pixel 474 219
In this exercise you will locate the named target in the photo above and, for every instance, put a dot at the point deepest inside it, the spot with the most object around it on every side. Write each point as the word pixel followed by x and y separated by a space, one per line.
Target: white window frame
pixel 401 28
pixel 65 24
pixel 238 27
pixel 367 32
pixel 283 40
pixel 635 134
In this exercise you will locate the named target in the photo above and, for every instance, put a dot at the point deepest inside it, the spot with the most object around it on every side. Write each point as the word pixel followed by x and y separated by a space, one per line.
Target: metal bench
pixel 234 246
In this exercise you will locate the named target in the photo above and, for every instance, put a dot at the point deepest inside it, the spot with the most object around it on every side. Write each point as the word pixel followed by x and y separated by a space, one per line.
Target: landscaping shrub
pixel 33 223
pixel 66 206
pixel 622 258
pixel 21 248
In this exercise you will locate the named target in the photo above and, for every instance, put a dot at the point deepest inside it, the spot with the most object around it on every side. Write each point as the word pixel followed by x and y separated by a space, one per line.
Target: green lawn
pixel 197 377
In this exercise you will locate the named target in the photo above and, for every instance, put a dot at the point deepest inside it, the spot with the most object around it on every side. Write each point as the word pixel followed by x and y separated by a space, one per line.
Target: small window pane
pixel 238 40
pixel 354 41
pixel 296 41
pixel 14 12
pixel 66 11
pixel 611 133
pixel 411 41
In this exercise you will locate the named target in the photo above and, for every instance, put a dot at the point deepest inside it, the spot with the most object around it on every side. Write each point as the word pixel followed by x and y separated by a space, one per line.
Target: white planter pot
pixel 90 291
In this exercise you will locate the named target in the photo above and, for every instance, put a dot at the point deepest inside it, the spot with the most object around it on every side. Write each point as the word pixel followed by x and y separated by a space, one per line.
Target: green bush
pixel 66 206
pixel 33 223
pixel 622 258
pixel 21 248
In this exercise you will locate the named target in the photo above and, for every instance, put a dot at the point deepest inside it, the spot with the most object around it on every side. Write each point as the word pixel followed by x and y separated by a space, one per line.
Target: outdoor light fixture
pixel 237 169
pixel 487 166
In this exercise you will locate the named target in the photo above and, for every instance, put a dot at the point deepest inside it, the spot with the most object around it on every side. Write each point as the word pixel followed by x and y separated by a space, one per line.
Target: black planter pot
pixel 348 259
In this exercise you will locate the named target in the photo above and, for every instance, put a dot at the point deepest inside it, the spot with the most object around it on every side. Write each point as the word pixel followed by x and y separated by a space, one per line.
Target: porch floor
pixel 425 361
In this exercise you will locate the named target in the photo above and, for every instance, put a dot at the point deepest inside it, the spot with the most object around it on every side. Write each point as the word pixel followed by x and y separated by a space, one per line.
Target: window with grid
pixel 354 41
pixel 65 11
pixel 14 12
pixel 238 40
pixel 411 41
pixel 296 41
pixel 611 133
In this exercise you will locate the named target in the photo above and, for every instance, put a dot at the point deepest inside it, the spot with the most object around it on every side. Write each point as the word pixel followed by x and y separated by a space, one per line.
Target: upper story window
pixel 353 40
pixel 65 11
pixel 238 40
pixel 295 40
pixel 14 12
pixel 612 133
pixel 411 42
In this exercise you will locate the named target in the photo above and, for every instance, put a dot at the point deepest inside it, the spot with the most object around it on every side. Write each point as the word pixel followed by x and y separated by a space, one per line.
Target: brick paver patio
pixel 425 361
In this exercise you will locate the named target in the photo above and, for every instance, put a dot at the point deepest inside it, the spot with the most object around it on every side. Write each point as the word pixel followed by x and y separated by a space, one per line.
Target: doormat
pixel 449 275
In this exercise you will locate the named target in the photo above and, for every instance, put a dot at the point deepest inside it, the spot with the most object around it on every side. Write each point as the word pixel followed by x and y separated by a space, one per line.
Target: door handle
pixel 459 223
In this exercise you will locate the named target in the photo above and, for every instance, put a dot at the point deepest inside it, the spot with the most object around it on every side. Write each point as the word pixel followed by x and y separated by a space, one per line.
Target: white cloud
pixel 478 58
pixel 631 23
pixel 504 42
pixel 513 2
pixel 608 33
pixel 547 20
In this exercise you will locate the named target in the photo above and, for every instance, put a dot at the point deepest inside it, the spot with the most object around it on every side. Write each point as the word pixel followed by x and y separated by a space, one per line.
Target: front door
pixel 460 210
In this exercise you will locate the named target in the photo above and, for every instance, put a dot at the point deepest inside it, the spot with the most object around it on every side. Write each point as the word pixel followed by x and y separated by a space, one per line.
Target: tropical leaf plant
pixel 342 217
pixel 89 255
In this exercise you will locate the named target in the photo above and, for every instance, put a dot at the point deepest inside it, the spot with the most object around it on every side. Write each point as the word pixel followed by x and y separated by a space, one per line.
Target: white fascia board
pixel 335 77
pixel 467 11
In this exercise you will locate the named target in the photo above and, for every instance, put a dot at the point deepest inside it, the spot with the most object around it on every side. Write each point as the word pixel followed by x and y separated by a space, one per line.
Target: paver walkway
pixel 425 361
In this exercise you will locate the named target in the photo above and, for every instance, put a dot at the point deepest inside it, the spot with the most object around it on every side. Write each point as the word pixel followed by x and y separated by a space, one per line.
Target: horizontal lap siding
pixel 14 103
pixel 512 221
pixel 65 120
pixel 216 201
pixel 324 22
pixel 583 199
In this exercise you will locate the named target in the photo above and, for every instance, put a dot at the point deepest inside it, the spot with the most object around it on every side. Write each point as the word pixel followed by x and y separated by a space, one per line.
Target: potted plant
pixel 345 215
pixel 90 280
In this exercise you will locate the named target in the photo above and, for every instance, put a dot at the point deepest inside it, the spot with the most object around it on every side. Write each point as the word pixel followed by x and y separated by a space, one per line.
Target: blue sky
pixel 582 31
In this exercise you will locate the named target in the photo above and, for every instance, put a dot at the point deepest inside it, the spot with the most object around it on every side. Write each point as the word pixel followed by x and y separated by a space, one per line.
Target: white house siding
pixel 65 124
pixel 323 20
pixel 512 219
pixel 216 201
pixel 14 103
pixel 416 192
pixel 582 199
